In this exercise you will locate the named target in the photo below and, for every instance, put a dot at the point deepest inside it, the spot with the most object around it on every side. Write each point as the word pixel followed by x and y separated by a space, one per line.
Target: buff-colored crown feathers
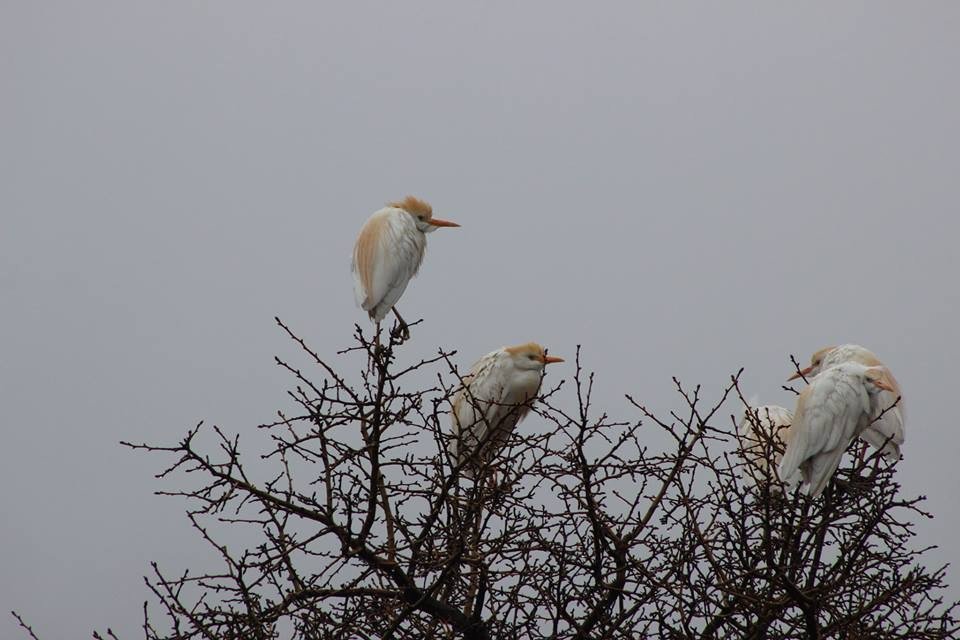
pixel 414 205
pixel 529 347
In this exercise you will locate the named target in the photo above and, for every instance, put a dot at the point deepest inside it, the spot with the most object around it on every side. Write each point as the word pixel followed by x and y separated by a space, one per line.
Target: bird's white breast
pixel 406 243
pixel 523 384
pixel 494 389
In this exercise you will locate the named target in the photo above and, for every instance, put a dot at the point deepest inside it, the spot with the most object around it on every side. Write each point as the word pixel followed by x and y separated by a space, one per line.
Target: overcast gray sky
pixel 684 190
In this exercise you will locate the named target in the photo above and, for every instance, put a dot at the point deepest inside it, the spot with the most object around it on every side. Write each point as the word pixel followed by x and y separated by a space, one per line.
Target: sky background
pixel 683 190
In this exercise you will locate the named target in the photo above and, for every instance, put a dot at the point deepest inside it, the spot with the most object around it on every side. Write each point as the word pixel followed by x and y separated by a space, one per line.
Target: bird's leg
pixel 404 332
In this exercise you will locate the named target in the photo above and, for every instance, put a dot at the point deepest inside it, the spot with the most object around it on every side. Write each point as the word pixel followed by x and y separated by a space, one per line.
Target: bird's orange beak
pixel 803 372
pixel 883 384
pixel 551 359
pixel 437 222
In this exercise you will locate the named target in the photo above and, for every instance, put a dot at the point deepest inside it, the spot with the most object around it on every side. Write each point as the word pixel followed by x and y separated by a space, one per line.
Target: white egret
pixel 388 253
pixel 830 413
pixel 763 431
pixel 887 431
pixel 495 396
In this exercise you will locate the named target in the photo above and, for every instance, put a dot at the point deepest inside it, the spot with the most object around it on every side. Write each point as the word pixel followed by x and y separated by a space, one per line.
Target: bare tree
pixel 366 528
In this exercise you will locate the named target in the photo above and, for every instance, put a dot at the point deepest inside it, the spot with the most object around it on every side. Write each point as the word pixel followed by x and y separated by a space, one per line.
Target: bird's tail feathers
pixel 877 440
pixel 822 470
pixel 792 481
pixel 359 291
pixel 792 457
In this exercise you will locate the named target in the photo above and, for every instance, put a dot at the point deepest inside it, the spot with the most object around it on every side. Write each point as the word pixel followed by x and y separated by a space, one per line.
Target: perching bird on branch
pixel 388 253
pixel 888 431
pixel 833 410
pixel 495 396
pixel 763 427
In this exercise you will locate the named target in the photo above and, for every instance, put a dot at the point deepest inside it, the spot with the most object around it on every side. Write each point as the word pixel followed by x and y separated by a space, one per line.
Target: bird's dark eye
pixel 421 218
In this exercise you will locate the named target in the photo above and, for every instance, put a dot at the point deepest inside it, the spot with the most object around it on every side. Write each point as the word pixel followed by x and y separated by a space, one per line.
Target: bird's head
pixel 816 364
pixel 851 353
pixel 422 214
pixel 530 356
pixel 877 380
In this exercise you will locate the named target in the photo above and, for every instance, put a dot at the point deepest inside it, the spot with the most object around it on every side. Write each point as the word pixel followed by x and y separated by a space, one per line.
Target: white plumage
pixel 889 431
pixel 495 396
pixel 763 430
pixel 388 253
pixel 830 413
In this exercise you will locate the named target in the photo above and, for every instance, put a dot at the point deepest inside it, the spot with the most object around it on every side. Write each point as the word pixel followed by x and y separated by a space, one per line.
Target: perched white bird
pixel 888 431
pixel 833 410
pixel 495 396
pixel 388 253
pixel 763 430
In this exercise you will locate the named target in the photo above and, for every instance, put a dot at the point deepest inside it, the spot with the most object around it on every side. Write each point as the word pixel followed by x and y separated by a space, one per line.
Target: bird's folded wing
pixel 472 403
pixel 823 422
pixel 366 256
pixel 798 446
pixel 841 411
